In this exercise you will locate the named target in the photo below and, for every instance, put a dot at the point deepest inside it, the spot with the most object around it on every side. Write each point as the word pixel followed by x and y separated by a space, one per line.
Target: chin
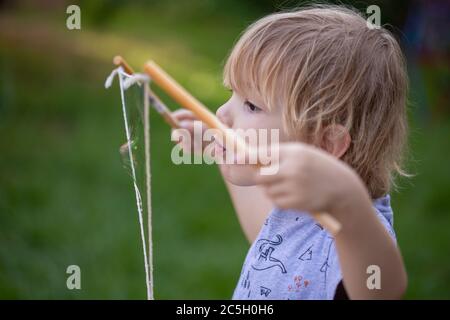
pixel 239 175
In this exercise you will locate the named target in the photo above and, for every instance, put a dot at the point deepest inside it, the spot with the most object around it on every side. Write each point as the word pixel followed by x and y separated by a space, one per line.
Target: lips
pixel 219 145
pixel 219 151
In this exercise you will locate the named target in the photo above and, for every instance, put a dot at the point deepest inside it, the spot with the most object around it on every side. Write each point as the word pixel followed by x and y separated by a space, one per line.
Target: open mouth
pixel 219 145
pixel 219 151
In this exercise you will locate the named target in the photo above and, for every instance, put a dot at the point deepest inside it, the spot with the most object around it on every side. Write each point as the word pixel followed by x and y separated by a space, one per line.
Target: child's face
pixel 248 113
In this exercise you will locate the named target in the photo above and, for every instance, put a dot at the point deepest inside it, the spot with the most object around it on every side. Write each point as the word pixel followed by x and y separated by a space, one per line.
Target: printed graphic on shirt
pixel 319 226
pixel 246 281
pixel 299 284
pixel 265 260
pixel 307 255
pixel 325 265
pixel 245 284
pixel 265 291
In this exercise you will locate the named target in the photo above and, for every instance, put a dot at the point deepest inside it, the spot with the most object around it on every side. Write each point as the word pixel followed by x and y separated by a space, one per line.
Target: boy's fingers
pixel 276 190
pixel 267 175
pixel 183 114
pixel 261 156
pixel 187 124
pixel 178 134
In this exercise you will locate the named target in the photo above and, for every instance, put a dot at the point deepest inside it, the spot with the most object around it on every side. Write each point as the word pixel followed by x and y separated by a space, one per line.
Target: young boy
pixel 336 89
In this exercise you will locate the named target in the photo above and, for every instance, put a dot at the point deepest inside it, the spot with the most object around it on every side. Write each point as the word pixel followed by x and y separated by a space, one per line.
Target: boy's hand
pixel 186 121
pixel 309 179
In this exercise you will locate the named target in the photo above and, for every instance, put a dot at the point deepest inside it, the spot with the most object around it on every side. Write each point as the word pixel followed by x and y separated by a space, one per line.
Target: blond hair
pixel 324 66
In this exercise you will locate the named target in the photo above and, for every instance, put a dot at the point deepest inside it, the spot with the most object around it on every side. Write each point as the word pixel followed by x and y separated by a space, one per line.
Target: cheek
pixel 243 175
pixel 268 132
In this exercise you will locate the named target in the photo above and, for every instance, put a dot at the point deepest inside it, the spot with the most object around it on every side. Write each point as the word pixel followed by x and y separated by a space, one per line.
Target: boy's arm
pixel 309 179
pixel 252 207
pixel 363 242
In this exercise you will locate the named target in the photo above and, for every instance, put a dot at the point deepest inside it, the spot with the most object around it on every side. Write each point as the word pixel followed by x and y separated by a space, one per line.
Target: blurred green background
pixel 65 198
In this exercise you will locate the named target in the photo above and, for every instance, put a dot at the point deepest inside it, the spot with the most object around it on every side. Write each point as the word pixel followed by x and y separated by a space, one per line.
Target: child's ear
pixel 335 140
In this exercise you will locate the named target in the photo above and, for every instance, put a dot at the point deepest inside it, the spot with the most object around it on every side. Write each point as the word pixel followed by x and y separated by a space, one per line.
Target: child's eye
pixel 251 107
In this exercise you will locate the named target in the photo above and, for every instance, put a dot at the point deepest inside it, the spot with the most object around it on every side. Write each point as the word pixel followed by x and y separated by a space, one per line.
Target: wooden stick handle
pixel 184 98
pixel 162 110
pixel 155 100
pixel 180 95
pixel 328 221
pixel 119 61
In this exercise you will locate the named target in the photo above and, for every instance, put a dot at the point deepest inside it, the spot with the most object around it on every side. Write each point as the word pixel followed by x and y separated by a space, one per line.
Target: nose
pixel 223 113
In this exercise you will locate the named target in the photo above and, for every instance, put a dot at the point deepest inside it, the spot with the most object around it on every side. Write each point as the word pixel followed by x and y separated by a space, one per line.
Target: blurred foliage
pixel 65 199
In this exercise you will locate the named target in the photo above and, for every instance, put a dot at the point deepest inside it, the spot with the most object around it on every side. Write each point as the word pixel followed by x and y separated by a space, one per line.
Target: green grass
pixel 65 198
